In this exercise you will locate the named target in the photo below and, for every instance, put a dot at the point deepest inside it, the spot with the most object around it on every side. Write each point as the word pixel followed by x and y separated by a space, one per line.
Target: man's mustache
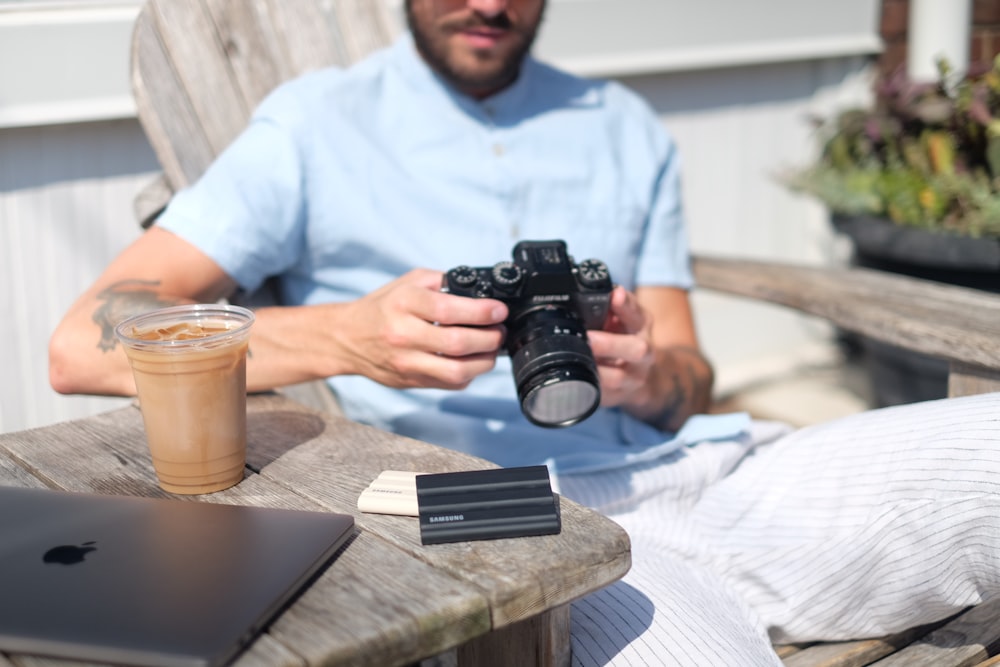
pixel 500 21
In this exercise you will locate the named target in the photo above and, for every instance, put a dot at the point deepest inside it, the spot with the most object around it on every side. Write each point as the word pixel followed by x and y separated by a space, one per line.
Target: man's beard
pixel 491 76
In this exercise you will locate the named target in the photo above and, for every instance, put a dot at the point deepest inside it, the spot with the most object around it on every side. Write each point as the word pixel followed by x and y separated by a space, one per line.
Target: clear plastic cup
pixel 189 364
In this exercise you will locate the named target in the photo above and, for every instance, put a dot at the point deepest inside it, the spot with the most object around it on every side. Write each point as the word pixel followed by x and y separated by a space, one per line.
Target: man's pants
pixel 856 528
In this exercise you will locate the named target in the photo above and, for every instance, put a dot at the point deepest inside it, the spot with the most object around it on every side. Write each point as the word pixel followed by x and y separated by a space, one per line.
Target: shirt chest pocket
pixel 599 221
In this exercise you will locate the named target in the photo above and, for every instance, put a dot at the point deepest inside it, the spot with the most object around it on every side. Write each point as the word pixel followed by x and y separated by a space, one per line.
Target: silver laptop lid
pixel 150 581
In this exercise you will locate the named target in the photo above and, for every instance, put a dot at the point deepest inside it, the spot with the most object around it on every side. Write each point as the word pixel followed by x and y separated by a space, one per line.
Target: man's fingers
pixel 421 369
pixel 463 341
pixel 626 310
pixel 450 309
pixel 615 349
pixel 427 301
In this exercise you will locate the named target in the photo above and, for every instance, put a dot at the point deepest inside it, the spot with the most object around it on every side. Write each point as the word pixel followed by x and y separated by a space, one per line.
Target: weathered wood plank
pixel 310 33
pixel 100 454
pixel 507 647
pixel 965 380
pixel 785 650
pixel 364 26
pixel 170 124
pixel 268 652
pixel 964 642
pixel 12 474
pixel 151 200
pixel 255 53
pixel 953 323
pixel 542 572
pixel 856 653
pixel 198 57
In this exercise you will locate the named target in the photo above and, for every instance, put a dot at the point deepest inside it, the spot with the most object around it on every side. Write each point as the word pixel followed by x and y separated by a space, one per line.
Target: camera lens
pixel 554 368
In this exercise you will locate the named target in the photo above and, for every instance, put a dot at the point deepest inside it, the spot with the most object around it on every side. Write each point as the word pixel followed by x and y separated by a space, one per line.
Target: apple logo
pixel 69 554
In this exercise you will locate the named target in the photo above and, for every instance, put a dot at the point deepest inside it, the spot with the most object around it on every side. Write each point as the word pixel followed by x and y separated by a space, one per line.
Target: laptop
pixel 145 581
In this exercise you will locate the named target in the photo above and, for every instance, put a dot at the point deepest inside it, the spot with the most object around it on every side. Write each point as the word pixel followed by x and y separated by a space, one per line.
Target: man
pixel 357 188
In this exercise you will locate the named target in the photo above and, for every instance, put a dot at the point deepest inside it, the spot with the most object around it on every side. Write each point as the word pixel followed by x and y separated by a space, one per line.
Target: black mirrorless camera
pixel 552 301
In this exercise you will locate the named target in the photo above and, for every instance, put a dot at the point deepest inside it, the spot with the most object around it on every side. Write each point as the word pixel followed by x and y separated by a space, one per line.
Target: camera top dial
pixel 506 276
pixel 463 276
pixel 593 273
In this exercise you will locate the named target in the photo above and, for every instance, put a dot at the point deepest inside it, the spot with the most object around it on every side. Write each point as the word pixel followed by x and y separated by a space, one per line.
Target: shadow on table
pixel 271 434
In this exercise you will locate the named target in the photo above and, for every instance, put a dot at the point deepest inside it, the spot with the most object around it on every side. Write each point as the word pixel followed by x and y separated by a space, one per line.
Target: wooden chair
pixel 199 67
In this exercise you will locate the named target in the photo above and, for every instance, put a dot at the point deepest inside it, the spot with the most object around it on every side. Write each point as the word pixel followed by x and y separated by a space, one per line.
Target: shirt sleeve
pixel 246 212
pixel 664 257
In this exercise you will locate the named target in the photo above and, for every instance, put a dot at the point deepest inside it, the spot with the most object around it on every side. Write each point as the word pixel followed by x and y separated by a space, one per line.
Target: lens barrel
pixel 554 368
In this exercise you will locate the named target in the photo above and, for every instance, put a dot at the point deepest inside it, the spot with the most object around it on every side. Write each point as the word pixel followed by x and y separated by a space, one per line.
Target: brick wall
pixel 985 33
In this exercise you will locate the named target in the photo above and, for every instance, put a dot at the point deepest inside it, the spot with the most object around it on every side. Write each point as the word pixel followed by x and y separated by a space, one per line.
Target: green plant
pixel 924 154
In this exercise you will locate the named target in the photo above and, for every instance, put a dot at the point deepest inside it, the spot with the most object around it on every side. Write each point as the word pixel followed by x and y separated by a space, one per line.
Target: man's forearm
pixel 85 357
pixel 293 344
pixel 679 387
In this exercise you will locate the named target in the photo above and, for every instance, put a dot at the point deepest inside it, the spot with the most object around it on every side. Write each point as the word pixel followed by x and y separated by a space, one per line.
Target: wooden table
pixel 385 599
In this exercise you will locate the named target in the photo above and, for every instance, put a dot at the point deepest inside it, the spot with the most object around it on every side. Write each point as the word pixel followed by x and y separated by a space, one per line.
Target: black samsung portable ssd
pixel 486 505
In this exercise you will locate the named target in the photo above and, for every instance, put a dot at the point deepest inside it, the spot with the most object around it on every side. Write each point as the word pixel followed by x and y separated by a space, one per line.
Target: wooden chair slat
pixel 199 67
pixel 199 58
pixel 312 34
pixel 965 380
pixel 371 27
pixel 968 640
pixel 856 653
pixel 953 323
pixel 256 53
pixel 170 124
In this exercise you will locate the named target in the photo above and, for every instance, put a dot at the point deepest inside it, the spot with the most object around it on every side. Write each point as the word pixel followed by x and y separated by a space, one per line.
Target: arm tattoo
pixel 692 380
pixel 679 398
pixel 122 300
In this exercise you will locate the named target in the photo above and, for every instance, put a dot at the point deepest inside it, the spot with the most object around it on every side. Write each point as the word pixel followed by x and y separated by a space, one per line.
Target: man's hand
pixel 648 357
pixel 410 334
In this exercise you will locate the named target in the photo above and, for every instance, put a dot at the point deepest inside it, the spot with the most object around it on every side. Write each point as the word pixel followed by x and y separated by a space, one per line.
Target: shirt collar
pixel 502 107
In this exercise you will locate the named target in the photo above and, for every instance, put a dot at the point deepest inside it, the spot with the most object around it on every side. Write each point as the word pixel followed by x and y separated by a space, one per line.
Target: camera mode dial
pixel 506 275
pixel 594 273
pixel 463 276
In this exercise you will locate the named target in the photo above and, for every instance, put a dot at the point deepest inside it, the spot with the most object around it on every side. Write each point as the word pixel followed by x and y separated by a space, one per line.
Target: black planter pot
pixel 897 375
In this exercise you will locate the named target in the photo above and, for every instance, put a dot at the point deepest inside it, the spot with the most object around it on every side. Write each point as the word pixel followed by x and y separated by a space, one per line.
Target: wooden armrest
pixel 959 325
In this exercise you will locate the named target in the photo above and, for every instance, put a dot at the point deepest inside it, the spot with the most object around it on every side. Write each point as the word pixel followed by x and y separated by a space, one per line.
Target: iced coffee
pixel 189 364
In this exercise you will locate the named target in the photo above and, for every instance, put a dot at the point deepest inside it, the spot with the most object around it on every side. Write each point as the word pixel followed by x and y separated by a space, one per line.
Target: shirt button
pixel 498 149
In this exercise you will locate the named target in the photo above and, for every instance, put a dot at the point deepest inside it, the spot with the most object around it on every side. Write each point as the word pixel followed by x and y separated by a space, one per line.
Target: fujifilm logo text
pixel 546 298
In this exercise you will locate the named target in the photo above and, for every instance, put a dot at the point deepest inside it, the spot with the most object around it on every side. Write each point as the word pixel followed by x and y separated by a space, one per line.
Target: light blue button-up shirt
pixel 346 179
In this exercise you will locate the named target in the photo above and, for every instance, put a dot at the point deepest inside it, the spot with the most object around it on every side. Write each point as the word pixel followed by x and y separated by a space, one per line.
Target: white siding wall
pixel 65 210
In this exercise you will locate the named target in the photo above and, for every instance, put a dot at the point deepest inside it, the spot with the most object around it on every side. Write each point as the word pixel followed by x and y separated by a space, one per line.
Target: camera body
pixel 542 274
pixel 551 303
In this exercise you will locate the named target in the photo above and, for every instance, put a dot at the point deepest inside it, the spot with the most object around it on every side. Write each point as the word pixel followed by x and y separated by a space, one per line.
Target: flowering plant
pixel 925 154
